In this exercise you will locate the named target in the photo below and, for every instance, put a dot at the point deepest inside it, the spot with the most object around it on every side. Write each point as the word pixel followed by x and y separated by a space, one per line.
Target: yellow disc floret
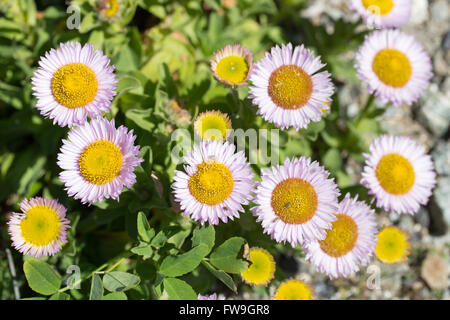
pixel 261 270
pixel 341 238
pixel 40 226
pixel 395 174
pixel 74 85
pixel 212 125
pixel 294 201
pixel 212 183
pixel 381 7
pixel 110 8
pixel 290 87
pixel 100 162
pixel 392 245
pixel 294 290
pixel 392 67
pixel 233 69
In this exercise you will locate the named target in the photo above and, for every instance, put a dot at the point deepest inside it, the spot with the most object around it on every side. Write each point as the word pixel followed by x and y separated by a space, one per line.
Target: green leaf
pixel 96 288
pixel 222 276
pixel 228 256
pixel 204 235
pixel 178 289
pixel 41 277
pixel 60 296
pixel 120 281
pixel 174 266
pixel 144 249
pixel 115 296
pixel 145 232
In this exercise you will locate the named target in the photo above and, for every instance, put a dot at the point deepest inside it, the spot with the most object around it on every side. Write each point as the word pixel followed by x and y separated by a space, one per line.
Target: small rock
pixel 440 205
pixel 440 11
pixel 441 158
pixel 435 271
pixel 446 41
pixel 419 12
pixel 435 111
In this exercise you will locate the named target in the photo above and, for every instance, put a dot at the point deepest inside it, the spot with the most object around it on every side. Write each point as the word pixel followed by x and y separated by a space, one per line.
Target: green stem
pixel 365 109
pixel 235 92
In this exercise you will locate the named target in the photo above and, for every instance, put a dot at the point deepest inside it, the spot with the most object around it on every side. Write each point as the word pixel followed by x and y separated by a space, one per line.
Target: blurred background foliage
pixel 161 51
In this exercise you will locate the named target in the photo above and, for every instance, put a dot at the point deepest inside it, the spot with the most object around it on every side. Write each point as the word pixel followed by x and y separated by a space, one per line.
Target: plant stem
pixel 235 92
pixel 365 109
pixel 99 270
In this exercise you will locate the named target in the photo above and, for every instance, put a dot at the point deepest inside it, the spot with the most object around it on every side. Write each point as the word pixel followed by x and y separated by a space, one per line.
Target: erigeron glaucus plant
pixel 131 152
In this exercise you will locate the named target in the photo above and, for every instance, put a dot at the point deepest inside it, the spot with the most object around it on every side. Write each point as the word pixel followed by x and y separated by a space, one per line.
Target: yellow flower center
pixel 112 6
pixel 290 87
pixel 341 238
pixel 40 226
pixel 234 69
pixel 294 290
pixel 100 162
pixel 294 201
pixel 262 268
pixel 395 174
pixel 74 85
pixel 212 183
pixel 212 125
pixel 392 245
pixel 381 7
pixel 392 67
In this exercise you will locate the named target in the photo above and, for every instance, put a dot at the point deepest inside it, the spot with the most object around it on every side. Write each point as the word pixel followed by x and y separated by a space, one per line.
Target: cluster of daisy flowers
pixel 296 202
pixel 97 159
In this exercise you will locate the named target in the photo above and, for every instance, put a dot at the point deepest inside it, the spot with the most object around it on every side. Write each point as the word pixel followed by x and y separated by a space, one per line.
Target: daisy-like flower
pixel 296 202
pixel 212 125
pixel 109 9
pixel 350 241
pixel 73 82
pixel 393 245
pixel 395 66
pixel 288 89
pixel 293 289
pixel 383 13
pixel 232 65
pixel 216 182
pixel 207 297
pixel 98 160
pixel 262 269
pixel 399 174
pixel 40 229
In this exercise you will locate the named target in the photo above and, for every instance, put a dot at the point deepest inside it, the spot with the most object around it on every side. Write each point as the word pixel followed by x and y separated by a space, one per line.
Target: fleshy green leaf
pixel 178 289
pixel 60 296
pixel 145 232
pixel 174 266
pixel 115 296
pixel 222 276
pixel 96 288
pixel 204 235
pixel 120 281
pixel 229 256
pixel 41 277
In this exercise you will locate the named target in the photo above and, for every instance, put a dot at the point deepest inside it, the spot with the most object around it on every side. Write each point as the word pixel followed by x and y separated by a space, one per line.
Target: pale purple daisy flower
pixel 399 174
pixel 394 65
pixel 288 88
pixel 216 182
pixel 383 14
pixel 349 244
pixel 73 82
pixel 232 65
pixel 296 201
pixel 98 160
pixel 207 297
pixel 40 229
